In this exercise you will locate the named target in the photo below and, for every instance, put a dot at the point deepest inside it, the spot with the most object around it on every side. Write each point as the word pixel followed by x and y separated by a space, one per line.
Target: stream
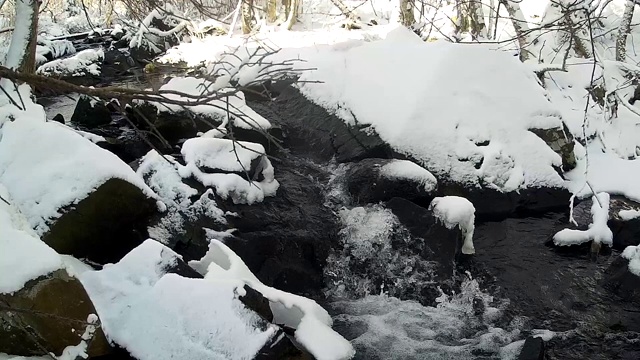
pixel 514 287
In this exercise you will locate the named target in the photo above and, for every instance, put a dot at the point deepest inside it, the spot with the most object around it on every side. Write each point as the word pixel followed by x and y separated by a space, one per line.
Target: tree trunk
pixel 271 10
pixel 22 50
pixel 520 27
pixel 247 16
pixel 493 16
pixel 624 29
pixel 406 12
pixel 292 15
pixel 346 11
pixel 470 18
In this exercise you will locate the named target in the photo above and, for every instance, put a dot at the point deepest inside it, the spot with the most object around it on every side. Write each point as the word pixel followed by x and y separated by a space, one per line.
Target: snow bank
pixel 24 256
pixel 219 154
pixel 404 169
pixel 45 166
pixel 598 230
pixel 632 253
pixel 311 321
pixel 159 316
pixel 457 211
pixel 86 62
pixel 241 114
pixel 430 102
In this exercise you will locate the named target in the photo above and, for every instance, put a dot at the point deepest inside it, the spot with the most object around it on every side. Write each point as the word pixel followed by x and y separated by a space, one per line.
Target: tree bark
pixel 271 10
pixel 520 27
pixel 623 31
pixel 493 16
pixel 292 15
pixel 21 55
pixel 470 18
pixel 406 12
pixel 247 16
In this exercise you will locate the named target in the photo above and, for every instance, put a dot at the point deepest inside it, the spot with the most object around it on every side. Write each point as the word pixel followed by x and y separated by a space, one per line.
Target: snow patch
pixel 627 215
pixel 632 253
pixel 457 211
pixel 405 169
pixel 598 230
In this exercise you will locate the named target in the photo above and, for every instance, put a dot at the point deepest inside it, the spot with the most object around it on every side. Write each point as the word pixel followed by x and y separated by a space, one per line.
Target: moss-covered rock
pixel 559 140
pixel 47 315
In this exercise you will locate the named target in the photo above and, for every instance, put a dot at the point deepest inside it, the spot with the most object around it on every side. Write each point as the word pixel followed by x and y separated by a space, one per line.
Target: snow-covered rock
pixel 90 113
pixel 598 230
pixel 82 68
pixel 374 180
pixel 236 170
pixel 623 275
pixel 79 198
pixel 455 211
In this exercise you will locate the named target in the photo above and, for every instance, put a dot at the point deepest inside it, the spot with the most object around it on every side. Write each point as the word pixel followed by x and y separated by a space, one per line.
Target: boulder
pixel 48 314
pixel 58 118
pixel 561 142
pixel 533 349
pixel 376 180
pixel 621 281
pixel 313 131
pixel 90 113
pixel 117 62
pixel 105 225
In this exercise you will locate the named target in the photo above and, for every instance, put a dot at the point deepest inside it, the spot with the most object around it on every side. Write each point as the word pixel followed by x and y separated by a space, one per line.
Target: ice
pixel 24 256
pixel 62 167
pixel 457 211
pixel 405 169
pixel 158 316
pixel 632 253
pixel 598 230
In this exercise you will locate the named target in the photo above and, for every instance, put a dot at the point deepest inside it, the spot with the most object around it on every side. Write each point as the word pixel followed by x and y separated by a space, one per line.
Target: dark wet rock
pixel 281 347
pixel 90 113
pixel 442 244
pixel 153 44
pixel 619 280
pixel 285 240
pixel 105 225
pixel 255 301
pixel 311 130
pixel 561 142
pixel 493 204
pixel 117 62
pixel 47 315
pixel 58 118
pixel 533 349
pixel 367 184
pixel 129 146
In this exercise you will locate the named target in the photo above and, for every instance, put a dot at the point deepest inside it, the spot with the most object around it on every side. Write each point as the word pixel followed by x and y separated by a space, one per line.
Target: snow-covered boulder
pixel 623 275
pixel 559 140
pixel 90 113
pixel 38 293
pixel 375 180
pixel 48 50
pixel 81 199
pixel 239 171
pixel 83 68
pixel 152 312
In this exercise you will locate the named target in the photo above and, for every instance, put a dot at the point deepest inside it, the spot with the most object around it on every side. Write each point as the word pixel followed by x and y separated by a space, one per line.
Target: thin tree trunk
pixel 292 15
pixel 271 10
pixel 406 12
pixel 624 29
pixel 520 27
pixel 470 18
pixel 22 50
pixel 493 15
pixel 247 16
pixel 345 10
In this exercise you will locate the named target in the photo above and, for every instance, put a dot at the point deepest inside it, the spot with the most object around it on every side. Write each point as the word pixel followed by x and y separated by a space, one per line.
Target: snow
pixel 85 62
pixel 218 154
pixel 62 167
pixel 241 115
pixel 449 106
pixel 627 215
pixel 24 255
pixel 311 321
pixel 457 211
pixel 632 253
pixel 158 316
pixel 55 48
pixel 598 230
pixel 405 169
pixel 21 33
pixel 221 154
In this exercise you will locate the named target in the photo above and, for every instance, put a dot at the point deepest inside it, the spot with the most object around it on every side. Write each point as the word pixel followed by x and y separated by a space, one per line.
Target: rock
pixel 281 347
pixel 47 315
pixel 90 113
pixel 533 349
pixel 619 280
pixel 254 300
pixel 369 182
pixel 313 131
pixel 285 240
pixel 561 141
pixel 117 62
pixel 58 118
pixel 105 225
pixel 442 245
